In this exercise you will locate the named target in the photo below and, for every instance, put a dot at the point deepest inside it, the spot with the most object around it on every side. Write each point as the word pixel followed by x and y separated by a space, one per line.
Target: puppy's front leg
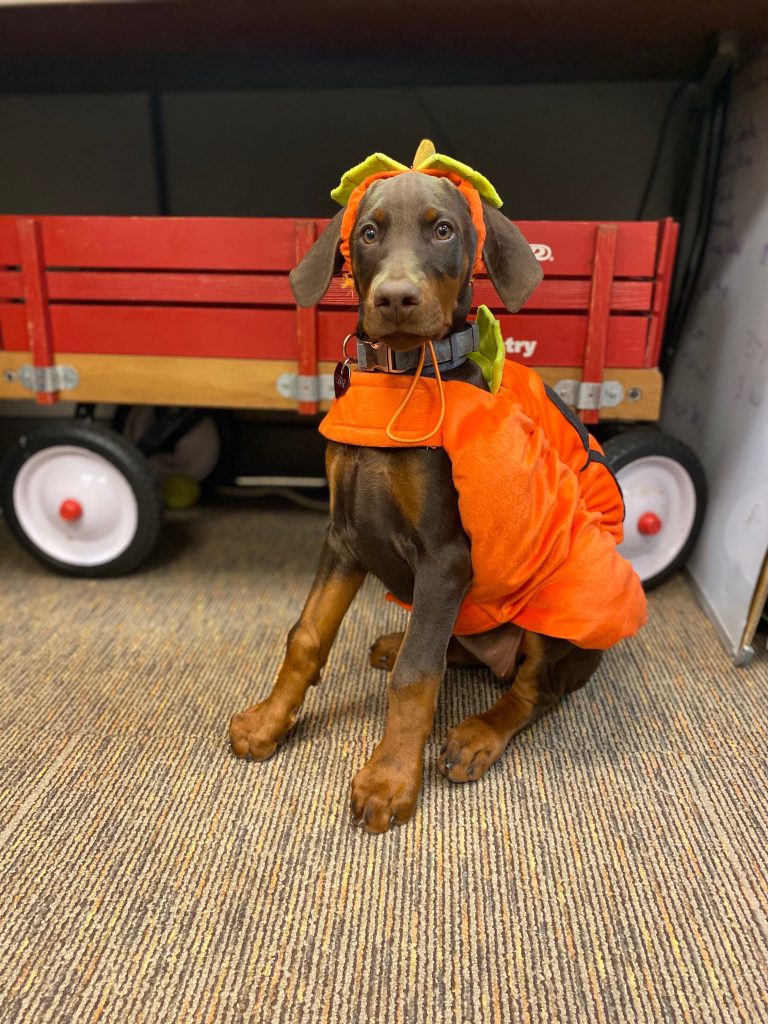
pixel 259 730
pixel 386 790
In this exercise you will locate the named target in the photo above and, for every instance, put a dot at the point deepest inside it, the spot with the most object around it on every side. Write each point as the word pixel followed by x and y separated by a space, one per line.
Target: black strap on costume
pixel 581 430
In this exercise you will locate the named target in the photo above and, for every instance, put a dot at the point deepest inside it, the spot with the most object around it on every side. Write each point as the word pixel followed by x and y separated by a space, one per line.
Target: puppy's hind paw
pixel 384 651
pixel 470 750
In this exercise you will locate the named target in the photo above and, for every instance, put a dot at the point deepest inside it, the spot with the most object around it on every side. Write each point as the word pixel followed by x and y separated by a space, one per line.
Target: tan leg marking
pixel 385 791
pixel 259 730
pixel 407 487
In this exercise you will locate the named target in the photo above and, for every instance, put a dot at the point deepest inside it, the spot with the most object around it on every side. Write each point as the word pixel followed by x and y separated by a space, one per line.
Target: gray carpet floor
pixel 611 868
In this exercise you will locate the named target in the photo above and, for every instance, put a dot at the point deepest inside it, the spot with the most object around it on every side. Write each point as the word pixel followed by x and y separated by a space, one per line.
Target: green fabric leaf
pixel 378 162
pixel 373 164
pixel 491 355
pixel 438 162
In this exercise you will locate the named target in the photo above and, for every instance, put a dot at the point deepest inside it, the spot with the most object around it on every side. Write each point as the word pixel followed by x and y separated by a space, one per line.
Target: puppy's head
pixel 412 250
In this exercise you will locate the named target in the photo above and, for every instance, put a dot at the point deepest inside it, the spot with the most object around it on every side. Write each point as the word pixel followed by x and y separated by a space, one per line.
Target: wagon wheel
pixel 665 495
pixel 81 499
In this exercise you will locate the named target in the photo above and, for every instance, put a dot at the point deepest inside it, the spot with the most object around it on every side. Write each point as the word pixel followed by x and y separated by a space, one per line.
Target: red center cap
pixel 70 509
pixel 649 523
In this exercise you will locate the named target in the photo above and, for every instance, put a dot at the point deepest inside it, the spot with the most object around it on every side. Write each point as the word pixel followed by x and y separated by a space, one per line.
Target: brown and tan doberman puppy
pixel 394 513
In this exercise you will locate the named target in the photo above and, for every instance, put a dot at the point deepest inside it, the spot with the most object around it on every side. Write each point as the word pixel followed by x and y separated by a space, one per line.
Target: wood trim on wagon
pixel 252 383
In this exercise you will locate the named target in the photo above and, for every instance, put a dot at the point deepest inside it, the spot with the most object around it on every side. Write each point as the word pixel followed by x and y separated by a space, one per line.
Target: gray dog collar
pixel 450 352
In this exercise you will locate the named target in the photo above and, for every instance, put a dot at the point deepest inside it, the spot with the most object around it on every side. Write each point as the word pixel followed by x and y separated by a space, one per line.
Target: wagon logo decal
pixel 516 346
pixel 543 253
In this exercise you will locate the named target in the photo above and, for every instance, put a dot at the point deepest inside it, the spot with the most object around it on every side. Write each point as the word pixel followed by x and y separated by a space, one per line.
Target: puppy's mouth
pixel 401 341
pixel 404 336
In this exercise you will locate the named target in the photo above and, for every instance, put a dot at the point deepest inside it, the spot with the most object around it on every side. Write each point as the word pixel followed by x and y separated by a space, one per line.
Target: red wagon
pixel 196 313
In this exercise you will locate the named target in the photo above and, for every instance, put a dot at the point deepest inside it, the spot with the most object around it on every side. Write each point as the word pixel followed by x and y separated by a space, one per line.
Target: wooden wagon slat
pixel 665 270
pixel 572 245
pixel 551 295
pixel 268 244
pixel 566 248
pixel 271 333
pixel 36 307
pixel 273 290
pixel 599 310
pixel 161 243
pixel 306 321
pixel 252 383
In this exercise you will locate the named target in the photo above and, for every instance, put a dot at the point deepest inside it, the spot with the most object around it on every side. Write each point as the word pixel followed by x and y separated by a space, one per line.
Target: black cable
pixel 692 218
pixel 707 174
pixel 660 140
pixel 713 150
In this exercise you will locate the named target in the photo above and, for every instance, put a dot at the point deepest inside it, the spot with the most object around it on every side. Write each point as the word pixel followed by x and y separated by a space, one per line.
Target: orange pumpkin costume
pixel 542 514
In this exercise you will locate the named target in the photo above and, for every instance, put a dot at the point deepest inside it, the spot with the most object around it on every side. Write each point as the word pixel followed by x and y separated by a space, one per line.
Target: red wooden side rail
pixel 217 289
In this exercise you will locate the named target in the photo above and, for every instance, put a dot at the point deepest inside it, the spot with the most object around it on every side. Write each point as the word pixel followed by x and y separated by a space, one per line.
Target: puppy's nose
pixel 397 295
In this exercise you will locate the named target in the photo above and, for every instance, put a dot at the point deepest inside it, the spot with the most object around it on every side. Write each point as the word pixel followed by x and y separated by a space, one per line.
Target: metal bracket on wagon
pixel 305 388
pixel 48 378
pixel 590 395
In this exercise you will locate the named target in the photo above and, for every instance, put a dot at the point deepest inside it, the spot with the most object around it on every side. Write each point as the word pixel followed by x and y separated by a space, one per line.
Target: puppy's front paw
pixel 470 750
pixel 384 793
pixel 259 731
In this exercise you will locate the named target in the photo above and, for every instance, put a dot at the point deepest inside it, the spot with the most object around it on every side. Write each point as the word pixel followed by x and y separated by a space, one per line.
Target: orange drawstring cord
pixel 406 400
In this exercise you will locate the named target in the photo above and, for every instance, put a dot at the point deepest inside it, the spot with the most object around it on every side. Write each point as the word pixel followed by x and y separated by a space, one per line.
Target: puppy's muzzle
pixel 395 298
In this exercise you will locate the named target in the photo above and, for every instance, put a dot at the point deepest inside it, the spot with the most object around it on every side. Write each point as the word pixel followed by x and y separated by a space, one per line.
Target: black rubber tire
pixel 124 456
pixel 639 443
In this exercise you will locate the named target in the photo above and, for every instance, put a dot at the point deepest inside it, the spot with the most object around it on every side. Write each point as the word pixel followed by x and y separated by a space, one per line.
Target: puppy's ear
pixel 512 267
pixel 312 278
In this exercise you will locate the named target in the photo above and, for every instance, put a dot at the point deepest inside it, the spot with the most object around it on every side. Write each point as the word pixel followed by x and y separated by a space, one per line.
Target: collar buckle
pixel 376 355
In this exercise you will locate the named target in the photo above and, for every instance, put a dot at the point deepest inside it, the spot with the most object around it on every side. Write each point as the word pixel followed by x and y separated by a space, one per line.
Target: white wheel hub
pixel 660 503
pixel 75 505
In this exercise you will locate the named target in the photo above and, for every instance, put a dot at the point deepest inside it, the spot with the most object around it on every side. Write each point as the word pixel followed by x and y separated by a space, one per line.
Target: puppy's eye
pixel 369 233
pixel 443 231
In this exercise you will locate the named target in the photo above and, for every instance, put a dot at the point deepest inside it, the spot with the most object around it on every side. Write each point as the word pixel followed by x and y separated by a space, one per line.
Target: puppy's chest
pixel 393 499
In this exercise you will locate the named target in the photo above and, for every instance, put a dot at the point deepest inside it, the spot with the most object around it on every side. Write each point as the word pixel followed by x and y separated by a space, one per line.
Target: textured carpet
pixel 610 869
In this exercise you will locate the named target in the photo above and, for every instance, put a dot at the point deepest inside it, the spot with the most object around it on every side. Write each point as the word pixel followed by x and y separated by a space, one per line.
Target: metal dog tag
pixel 341 378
